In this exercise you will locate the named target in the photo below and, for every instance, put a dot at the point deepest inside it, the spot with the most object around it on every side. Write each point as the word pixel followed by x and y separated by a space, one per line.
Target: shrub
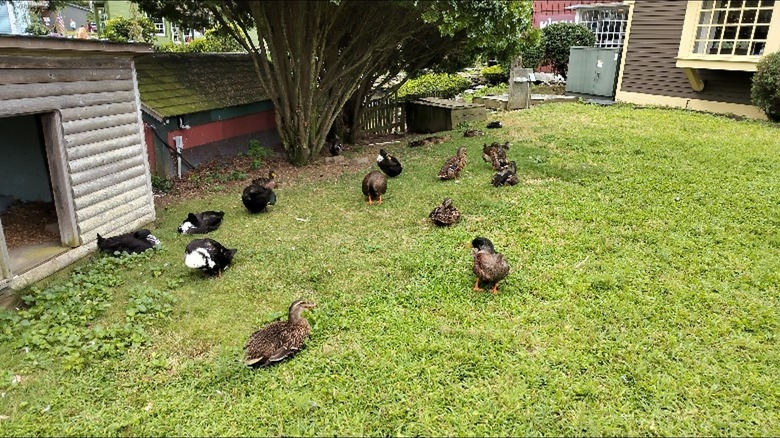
pixel 35 25
pixel 765 91
pixel 257 153
pixel 212 42
pixel 433 84
pixel 532 49
pixel 122 30
pixel 495 74
pixel 558 38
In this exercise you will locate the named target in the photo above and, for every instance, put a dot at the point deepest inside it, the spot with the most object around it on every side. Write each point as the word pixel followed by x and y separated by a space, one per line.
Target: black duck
pixel 269 183
pixel 495 125
pixel 279 340
pixel 257 198
pixel 507 176
pixel 131 243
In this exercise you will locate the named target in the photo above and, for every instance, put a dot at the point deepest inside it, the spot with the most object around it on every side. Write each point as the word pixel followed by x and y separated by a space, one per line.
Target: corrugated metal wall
pixel 653 44
pixel 101 133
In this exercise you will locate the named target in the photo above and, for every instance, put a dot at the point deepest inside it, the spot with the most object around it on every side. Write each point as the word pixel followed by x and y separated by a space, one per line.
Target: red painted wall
pixel 149 137
pixel 215 131
pixel 554 11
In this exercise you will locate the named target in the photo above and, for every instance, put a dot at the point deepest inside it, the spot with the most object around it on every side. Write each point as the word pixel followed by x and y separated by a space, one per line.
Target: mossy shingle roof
pixel 173 84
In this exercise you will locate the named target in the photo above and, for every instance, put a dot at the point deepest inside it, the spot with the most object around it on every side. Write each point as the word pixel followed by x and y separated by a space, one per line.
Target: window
pixel 175 33
pixel 608 25
pixel 159 25
pixel 728 34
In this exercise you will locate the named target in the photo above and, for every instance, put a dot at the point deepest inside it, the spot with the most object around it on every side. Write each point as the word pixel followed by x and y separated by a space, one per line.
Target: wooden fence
pixel 383 116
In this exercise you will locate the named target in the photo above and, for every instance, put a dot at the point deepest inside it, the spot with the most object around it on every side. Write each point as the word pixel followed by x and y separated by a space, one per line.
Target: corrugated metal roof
pixel 174 84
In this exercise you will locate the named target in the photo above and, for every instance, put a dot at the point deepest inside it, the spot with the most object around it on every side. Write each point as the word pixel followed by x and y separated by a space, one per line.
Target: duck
pixel 269 183
pixel 388 164
pixel 495 125
pixel 335 147
pixel 279 340
pixel 374 186
pixel 201 223
pixel 453 165
pixel 131 243
pixel 489 265
pixel 507 176
pixel 445 214
pixel 208 255
pixel 495 154
pixel 473 133
pixel 257 198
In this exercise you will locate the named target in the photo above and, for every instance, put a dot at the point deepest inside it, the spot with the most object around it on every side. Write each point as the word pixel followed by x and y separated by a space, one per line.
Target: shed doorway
pixel 32 230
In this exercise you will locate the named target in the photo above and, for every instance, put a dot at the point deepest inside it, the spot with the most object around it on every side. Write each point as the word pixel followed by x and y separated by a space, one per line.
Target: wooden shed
pixel 207 104
pixel 73 152
pixel 696 54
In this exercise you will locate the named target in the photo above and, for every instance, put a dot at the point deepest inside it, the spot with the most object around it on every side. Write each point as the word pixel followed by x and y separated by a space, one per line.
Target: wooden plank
pixel 15 107
pixel 5 260
pixel 89 112
pixel 132 211
pixel 86 198
pixel 93 185
pixel 60 184
pixel 58 62
pixel 26 91
pixel 93 124
pixel 104 134
pixel 87 150
pixel 35 76
pixel 111 204
pixel 144 147
pixel 107 169
pixel 104 158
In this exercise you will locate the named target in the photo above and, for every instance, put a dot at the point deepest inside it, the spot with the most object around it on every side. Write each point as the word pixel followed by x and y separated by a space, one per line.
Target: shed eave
pixel 24 43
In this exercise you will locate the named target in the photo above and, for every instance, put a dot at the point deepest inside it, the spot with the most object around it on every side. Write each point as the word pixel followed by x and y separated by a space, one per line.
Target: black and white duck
pixel 131 243
pixel 279 340
pixel 208 255
pixel 374 186
pixel 495 125
pixel 201 223
pixel 388 164
pixel 507 176
pixel 257 197
pixel 335 147
pixel 489 265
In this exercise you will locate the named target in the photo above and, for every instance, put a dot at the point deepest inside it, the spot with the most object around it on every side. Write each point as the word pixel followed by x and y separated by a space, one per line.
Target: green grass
pixel 643 298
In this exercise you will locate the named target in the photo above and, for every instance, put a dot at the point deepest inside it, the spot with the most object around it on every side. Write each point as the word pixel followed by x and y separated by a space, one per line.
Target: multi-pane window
pixel 159 25
pixel 608 25
pixel 175 33
pixel 733 27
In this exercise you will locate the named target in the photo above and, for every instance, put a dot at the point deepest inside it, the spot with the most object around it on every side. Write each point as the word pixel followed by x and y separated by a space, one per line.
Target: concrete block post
pixel 519 86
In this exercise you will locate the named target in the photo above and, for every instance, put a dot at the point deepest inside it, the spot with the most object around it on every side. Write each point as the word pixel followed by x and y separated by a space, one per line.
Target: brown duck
pixel 445 214
pixel 489 266
pixel 472 133
pixel 495 154
pixel 374 186
pixel 454 165
pixel 279 340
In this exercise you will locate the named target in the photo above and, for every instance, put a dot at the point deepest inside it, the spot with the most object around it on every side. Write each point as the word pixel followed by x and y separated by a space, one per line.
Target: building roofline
pixel 16 43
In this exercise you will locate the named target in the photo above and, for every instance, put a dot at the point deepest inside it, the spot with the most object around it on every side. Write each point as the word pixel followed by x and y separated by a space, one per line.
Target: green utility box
pixel 432 114
pixel 593 70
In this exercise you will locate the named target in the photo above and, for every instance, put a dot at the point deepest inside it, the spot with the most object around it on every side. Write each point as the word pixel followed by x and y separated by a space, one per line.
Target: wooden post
pixel 519 86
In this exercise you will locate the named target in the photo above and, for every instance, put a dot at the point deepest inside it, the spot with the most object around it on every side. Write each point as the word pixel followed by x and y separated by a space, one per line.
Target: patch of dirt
pixel 25 224
pixel 232 174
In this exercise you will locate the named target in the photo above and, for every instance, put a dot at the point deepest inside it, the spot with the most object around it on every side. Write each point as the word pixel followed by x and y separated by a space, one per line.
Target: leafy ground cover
pixel 643 297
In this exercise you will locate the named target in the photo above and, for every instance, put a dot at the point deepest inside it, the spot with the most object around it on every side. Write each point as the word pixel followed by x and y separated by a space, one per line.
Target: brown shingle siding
pixel 650 67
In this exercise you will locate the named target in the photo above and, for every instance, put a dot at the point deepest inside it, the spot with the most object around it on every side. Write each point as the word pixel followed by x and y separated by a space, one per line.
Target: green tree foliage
pixel 122 30
pixel 213 41
pixel 558 38
pixel 532 48
pixel 765 90
pixel 321 59
pixel 439 84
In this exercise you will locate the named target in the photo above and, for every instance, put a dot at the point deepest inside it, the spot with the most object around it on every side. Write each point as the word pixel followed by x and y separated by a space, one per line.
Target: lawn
pixel 642 300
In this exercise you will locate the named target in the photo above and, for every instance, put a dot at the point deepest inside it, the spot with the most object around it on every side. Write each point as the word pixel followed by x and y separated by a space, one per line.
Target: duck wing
pixel 490 267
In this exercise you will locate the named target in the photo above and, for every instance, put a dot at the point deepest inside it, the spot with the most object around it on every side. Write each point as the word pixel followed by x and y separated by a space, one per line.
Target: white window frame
pixel 159 26
pixel 176 33
pixel 687 59
pixel 609 21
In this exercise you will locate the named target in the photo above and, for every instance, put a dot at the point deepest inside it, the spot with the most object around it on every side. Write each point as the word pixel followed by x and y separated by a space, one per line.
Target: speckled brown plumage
pixel 374 186
pixel 445 214
pixel 279 340
pixel 489 266
pixel 495 154
pixel 453 165
pixel 473 133
pixel 269 183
